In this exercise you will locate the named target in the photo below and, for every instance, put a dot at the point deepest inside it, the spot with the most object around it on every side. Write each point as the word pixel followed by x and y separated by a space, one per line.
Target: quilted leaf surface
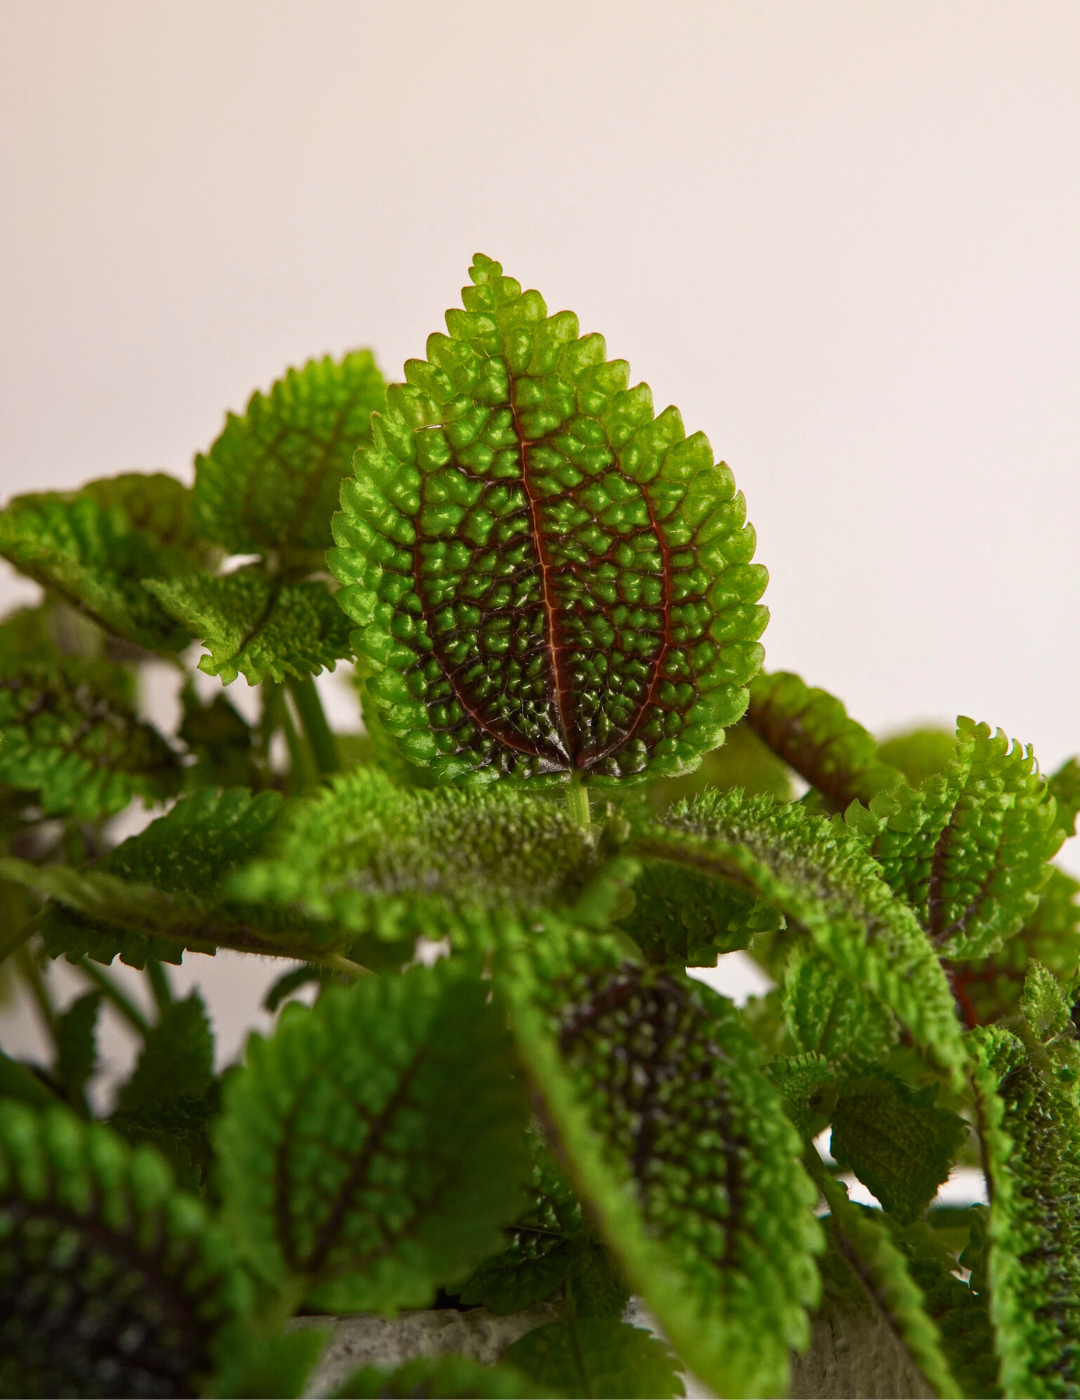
pixel 270 482
pixel 549 578
pixel 678 1144
pixel 357 1157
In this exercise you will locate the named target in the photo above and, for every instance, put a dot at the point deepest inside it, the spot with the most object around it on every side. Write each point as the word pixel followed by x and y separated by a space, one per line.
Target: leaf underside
pixel 549 579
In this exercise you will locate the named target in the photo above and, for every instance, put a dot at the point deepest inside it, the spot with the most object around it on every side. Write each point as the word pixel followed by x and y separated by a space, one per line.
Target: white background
pixel 841 236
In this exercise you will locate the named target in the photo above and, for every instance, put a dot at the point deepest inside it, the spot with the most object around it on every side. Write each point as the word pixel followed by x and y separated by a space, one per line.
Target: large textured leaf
pixel 95 547
pixel 164 889
pixel 357 1153
pixel 270 481
pixel 376 857
pixel 550 579
pixel 680 1147
pixel 820 877
pixel 1031 1151
pixel 258 628
pixel 111 1281
pixel 968 850
pixel 899 1144
pixel 68 733
pixel 811 731
pixel 597 1357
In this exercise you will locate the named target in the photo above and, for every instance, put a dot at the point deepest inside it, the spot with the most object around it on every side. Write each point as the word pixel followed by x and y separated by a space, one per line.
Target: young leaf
pixel 1064 787
pixel 357 1156
pixel 968 850
pixel 256 627
pixel 376 857
pixel 112 1282
pixel 811 731
pixel 598 1357
pixel 899 1145
pixel 1031 1152
pixel 95 547
pixel 878 1289
pixel 548 579
pixel 69 734
pixel 175 1070
pixel 919 754
pixel 820 877
pixel 540 1249
pixel 807 1090
pixel 221 740
pixel 677 1142
pixel 827 1014
pixel 76 1047
pixel 442 1378
pixel 270 482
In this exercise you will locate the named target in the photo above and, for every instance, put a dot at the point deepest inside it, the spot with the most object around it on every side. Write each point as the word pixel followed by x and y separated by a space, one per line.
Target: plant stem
pixel 300 760
pixel 31 973
pixel 119 999
pixel 577 802
pixel 159 983
pixel 305 694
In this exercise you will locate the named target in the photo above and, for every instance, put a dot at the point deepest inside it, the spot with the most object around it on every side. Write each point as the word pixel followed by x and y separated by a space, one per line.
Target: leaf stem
pixel 31 973
pixel 320 736
pixel 577 802
pixel 159 983
pixel 119 999
pixel 299 756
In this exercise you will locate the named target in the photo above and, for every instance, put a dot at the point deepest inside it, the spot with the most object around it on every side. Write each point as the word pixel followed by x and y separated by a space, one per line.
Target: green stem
pixel 31 973
pixel 577 802
pixel 119 999
pixel 305 694
pixel 159 983
pixel 300 761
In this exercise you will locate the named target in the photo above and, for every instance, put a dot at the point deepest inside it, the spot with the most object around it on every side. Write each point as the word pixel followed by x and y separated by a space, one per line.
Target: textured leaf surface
pixel 899 1145
pixel 827 1014
pixel 688 919
pixel 811 731
pixel 442 1378
pixel 166 883
pixel 806 1089
pixel 256 628
pixel 883 1288
pixel 76 1046
pixel 968 850
pixel 270 481
pixel 819 876
pixel 597 1357
pixel 68 732
pixel 356 1155
pixel 111 1281
pixel 377 857
pixel 1031 1149
pixel 95 547
pixel 679 1145
pixel 549 578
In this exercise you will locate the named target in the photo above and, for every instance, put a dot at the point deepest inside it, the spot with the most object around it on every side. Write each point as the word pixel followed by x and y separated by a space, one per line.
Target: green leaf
pixel 1031 1150
pixel 355 1153
pixel 177 1059
pixel 94 548
pixel 743 760
pixel 76 1046
pixel 968 850
pixel 687 919
pixel 807 1090
pixel 254 626
pixel 827 1014
pixel 375 857
pixel 270 482
pixel 442 1378
pixel 679 1145
pixel 899 1145
pixel 252 1366
pixel 1044 1007
pixel 874 1288
pixel 221 740
pixel 68 733
pixel 548 578
pixel 820 877
pixel 811 731
pixel 112 1282
pixel 163 889
pixel 540 1249
pixel 18 1081
pixel 1064 786
pixel 599 1357
pixel 919 753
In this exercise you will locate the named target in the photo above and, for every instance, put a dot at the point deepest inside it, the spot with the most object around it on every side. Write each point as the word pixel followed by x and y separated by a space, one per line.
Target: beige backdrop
pixel 841 236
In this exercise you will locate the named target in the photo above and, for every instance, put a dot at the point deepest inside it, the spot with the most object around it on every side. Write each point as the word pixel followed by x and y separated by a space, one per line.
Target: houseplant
pixel 550 597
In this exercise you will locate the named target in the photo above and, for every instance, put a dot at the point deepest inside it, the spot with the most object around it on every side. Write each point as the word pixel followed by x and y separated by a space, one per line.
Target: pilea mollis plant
pixel 573 781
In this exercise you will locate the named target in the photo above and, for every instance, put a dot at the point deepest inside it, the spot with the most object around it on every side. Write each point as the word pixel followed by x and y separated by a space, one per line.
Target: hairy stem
pixel 119 999
pixel 305 695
